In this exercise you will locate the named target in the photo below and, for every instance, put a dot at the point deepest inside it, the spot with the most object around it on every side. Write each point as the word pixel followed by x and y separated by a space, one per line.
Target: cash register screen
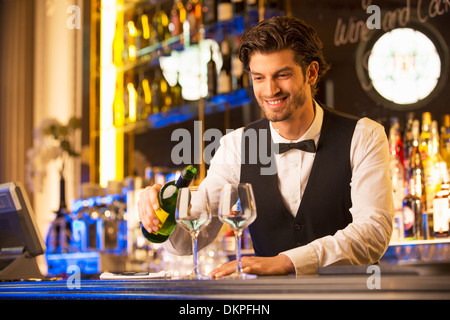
pixel 18 230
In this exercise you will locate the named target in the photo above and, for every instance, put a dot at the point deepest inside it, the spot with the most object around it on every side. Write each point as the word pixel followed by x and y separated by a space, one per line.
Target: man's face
pixel 279 84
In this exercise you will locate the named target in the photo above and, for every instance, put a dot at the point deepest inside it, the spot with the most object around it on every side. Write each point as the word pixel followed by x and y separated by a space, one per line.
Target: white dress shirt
pixel 363 241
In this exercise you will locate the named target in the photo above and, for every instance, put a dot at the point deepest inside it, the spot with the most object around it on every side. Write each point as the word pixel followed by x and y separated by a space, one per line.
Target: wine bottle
pixel 212 75
pixel 397 174
pixel 177 18
pixel 167 202
pixel 414 202
pixel 445 139
pixel 441 214
pixel 224 10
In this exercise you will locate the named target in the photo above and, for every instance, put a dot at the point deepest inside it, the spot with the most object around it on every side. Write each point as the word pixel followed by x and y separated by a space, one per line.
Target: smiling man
pixel 330 199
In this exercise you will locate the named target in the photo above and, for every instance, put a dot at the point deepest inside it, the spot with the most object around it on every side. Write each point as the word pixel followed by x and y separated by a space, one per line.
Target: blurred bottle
pixel 398 176
pixel 414 202
pixel 118 106
pixel 132 100
pixel 441 207
pixel 238 7
pixel 209 11
pixel 425 135
pixel 408 139
pixel 212 74
pixel 224 10
pixel 177 18
pixel 148 33
pixel 432 166
pixel 131 32
pixel 176 93
pixel 194 17
pixel 160 23
pixel 445 139
pixel 224 81
pixel 146 95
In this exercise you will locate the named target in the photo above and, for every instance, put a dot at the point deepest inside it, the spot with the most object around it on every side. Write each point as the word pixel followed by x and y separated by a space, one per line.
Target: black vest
pixel 326 201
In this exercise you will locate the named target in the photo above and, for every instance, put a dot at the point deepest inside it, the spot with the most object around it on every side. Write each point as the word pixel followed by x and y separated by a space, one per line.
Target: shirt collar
pixel 313 131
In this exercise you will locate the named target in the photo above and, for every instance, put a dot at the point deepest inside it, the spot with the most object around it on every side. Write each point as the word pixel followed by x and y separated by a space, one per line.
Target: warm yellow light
pixel 111 141
pixel 132 52
pixel 132 99
pixel 131 28
pixel 145 27
pixel 182 12
pixel 147 91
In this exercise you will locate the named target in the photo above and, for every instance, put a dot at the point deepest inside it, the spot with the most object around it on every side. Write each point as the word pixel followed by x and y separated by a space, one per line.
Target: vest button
pixel 298 226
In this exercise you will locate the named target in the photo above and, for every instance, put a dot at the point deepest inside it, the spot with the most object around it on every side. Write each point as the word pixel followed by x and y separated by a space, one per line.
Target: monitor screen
pixel 18 230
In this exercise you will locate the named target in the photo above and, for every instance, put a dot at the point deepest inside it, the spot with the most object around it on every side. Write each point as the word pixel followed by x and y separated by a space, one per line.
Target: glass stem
pixel 194 237
pixel 237 235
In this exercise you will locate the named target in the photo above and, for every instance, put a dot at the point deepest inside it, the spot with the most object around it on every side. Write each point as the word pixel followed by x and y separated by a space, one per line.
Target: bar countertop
pixel 386 282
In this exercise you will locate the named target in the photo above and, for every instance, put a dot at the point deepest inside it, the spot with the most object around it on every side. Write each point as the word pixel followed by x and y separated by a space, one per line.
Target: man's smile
pixel 275 103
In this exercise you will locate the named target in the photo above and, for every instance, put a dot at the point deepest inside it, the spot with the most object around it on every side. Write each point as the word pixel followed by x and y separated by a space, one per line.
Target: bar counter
pixel 407 282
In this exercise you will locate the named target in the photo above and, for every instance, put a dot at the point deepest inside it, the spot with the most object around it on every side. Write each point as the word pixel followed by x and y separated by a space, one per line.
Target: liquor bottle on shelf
pixel 147 32
pixel 126 97
pixel 194 17
pixel 224 10
pixel 237 72
pixel 397 173
pixel 132 101
pixel 177 18
pixel 414 202
pixel 132 35
pixel 161 95
pixel 176 92
pixel 407 139
pixel 432 166
pixel 425 135
pixel 118 106
pixel 140 113
pixel 160 23
pixel 224 81
pixel 167 203
pixel 445 139
pixel 146 95
pixel 212 74
pixel 155 94
pixel 209 11
pixel 441 207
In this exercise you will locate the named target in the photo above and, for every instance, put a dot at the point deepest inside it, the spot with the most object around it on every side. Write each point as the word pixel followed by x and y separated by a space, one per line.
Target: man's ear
pixel 312 73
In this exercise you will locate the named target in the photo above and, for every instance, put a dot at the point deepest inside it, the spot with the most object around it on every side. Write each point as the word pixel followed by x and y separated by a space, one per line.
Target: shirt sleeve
pixel 367 237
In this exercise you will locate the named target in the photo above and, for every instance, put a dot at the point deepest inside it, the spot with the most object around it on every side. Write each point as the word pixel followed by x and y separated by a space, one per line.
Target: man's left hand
pixel 278 265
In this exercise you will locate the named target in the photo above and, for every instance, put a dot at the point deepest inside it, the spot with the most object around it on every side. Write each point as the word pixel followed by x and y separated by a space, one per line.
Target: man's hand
pixel 278 265
pixel 147 205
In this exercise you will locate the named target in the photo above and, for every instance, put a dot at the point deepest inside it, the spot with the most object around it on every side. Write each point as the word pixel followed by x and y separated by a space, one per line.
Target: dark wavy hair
pixel 281 33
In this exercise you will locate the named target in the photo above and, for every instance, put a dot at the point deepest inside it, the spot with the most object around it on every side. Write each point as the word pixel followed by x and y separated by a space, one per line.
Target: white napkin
pixel 134 275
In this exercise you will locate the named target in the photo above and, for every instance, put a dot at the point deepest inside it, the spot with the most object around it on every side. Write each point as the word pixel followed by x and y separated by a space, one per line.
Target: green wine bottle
pixel 167 203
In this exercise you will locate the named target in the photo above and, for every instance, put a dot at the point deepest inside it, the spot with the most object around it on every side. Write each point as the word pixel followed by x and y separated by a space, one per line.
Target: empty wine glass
pixel 238 210
pixel 193 214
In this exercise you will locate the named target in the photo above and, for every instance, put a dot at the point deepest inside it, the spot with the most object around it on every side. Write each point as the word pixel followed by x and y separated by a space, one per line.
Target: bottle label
pixel 440 214
pixel 408 217
pixel 162 217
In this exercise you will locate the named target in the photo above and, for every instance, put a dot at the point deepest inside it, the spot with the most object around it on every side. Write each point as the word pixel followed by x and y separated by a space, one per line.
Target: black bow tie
pixel 305 145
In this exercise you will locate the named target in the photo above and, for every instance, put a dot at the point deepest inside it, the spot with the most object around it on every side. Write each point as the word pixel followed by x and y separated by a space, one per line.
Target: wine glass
pixel 193 214
pixel 238 210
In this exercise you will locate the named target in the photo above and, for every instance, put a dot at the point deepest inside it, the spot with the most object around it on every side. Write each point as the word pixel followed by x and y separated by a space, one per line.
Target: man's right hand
pixel 147 205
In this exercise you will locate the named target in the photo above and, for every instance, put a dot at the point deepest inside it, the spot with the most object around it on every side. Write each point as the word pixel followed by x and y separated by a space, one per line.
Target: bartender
pixel 329 201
